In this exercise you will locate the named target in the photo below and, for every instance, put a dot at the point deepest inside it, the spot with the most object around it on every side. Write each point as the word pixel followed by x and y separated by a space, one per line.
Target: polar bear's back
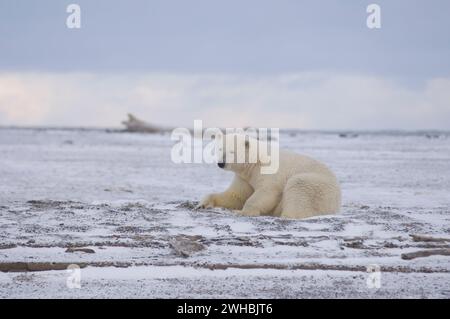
pixel 309 187
pixel 292 164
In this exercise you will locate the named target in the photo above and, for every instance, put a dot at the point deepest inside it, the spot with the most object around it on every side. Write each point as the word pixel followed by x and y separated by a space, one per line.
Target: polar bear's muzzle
pixel 221 165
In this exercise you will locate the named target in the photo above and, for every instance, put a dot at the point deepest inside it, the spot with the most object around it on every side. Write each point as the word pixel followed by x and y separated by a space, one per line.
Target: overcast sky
pixel 306 64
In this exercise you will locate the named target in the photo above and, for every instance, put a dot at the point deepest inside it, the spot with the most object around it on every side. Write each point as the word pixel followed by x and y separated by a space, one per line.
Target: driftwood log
pixel 425 238
pixel 133 124
pixel 426 253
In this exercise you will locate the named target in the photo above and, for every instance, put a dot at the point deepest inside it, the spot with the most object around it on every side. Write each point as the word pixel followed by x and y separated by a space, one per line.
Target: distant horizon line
pixel 168 129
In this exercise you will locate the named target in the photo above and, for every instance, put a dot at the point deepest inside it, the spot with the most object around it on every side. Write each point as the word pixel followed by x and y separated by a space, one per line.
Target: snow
pixel 120 195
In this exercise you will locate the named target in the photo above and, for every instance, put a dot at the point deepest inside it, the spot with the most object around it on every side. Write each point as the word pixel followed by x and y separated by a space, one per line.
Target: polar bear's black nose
pixel 221 165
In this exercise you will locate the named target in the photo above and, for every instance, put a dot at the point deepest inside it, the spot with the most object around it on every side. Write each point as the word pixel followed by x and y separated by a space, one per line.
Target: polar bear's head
pixel 240 153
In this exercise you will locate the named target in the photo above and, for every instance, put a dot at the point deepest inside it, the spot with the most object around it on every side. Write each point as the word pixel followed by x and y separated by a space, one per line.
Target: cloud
pixel 310 100
pixel 22 100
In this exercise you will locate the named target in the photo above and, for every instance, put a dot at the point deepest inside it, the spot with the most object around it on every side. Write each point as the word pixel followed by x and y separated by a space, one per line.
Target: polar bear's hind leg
pixel 310 194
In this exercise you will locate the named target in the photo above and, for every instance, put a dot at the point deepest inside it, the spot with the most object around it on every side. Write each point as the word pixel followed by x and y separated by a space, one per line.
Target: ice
pixel 120 195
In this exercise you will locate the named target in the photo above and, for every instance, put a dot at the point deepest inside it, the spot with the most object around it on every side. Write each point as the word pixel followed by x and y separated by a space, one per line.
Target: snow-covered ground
pixel 119 198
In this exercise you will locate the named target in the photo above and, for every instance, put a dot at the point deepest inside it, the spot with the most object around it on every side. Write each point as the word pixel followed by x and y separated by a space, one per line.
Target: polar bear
pixel 301 187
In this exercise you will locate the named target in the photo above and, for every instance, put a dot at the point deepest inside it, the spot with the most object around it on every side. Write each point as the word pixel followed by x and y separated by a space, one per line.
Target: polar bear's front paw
pixel 207 202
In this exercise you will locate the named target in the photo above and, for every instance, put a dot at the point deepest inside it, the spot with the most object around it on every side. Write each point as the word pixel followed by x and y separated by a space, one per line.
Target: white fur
pixel 302 187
